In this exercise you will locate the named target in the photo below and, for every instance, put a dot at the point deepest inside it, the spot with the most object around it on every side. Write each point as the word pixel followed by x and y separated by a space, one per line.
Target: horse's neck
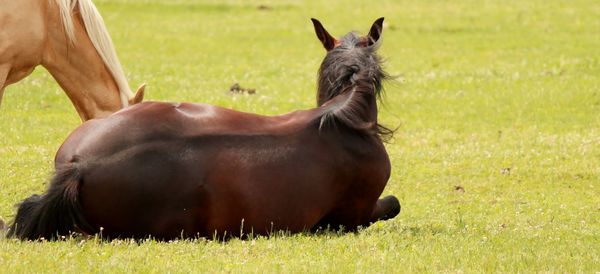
pixel 79 70
pixel 356 108
pixel 361 95
pixel 365 101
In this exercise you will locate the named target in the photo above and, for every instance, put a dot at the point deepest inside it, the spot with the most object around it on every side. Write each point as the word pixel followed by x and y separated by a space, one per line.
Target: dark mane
pixel 353 72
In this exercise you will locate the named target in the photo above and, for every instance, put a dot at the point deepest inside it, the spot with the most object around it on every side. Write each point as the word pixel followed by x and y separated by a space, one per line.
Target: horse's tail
pixel 52 215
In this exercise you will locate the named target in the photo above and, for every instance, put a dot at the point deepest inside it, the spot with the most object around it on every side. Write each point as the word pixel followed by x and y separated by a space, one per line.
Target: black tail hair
pixel 54 214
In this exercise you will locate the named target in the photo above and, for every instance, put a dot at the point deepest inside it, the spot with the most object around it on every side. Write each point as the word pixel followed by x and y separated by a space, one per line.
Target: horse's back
pixel 173 123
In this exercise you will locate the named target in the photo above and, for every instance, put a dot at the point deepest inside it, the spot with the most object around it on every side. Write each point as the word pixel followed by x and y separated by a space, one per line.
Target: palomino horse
pixel 184 170
pixel 69 39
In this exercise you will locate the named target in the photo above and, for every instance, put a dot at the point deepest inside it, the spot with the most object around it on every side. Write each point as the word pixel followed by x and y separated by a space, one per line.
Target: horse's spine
pixel 54 215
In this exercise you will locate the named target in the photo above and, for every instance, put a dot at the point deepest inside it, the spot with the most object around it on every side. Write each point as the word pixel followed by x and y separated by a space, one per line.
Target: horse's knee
pixel 386 208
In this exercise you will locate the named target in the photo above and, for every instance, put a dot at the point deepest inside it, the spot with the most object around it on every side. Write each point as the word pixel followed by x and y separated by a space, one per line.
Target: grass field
pixel 496 160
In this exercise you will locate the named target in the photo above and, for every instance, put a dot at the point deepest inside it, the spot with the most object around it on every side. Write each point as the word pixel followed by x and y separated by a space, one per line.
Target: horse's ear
pixel 326 39
pixel 139 95
pixel 375 32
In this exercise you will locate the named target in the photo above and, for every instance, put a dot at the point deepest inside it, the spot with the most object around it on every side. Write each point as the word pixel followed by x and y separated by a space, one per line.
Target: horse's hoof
pixel 393 207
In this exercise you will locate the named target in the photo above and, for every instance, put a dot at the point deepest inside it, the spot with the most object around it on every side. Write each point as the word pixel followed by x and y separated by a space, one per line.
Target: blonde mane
pixel 96 30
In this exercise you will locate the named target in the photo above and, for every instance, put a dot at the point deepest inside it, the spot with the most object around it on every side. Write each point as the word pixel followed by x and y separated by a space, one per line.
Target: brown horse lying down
pixel 185 170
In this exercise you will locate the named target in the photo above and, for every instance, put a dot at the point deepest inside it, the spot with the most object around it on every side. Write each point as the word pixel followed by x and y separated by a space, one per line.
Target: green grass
pixel 501 98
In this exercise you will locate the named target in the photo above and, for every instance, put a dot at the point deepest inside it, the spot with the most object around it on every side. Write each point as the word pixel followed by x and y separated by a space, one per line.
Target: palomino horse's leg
pixel 1 93
pixel 3 75
pixel 385 209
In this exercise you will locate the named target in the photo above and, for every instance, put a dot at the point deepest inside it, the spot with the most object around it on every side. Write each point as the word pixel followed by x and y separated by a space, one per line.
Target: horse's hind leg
pixel 385 209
